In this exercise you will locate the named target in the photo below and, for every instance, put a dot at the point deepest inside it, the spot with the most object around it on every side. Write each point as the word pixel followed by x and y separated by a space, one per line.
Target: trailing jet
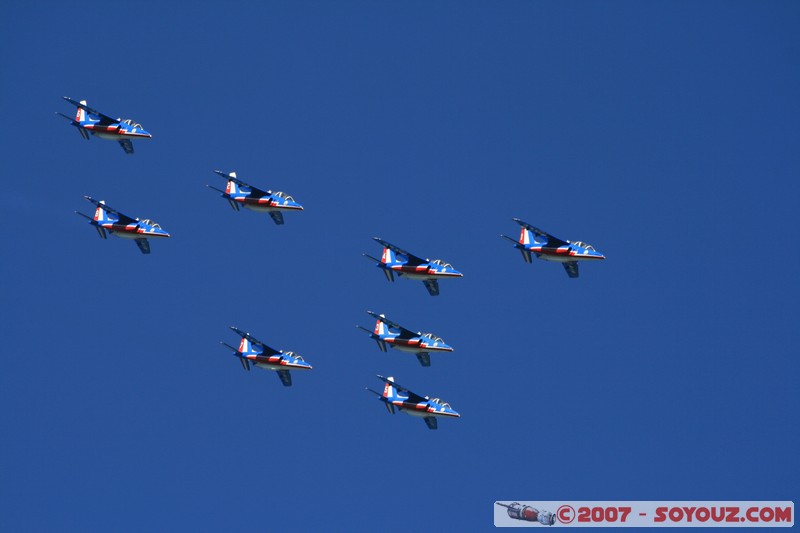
pixel 420 344
pixel 89 121
pixel 549 248
pixel 413 404
pixel 107 219
pixel 397 261
pixel 252 350
pixel 239 193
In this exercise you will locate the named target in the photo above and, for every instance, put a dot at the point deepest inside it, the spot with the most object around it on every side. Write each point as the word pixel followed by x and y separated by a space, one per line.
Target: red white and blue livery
pixel 108 220
pixel 92 122
pixel 252 351
pixel 533 241
pixel 388 333
pixel 396 396
pixel 240 194
pixel 396 261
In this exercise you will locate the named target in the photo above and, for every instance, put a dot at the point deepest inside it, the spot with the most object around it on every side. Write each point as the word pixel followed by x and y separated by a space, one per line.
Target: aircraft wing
pixel 233 178
pixel 286 378
pixel 127 145
pixel 143 245
pixel 412 259
pixel 123 218
pixel 254 191
pixel 424 358
pixel 572 268
pixel 551 240
pixel 432 422
pixel 412 396
pixel 404 333
pixel 432 285
pixel 277 216
pixel 88 109
pixel 267 350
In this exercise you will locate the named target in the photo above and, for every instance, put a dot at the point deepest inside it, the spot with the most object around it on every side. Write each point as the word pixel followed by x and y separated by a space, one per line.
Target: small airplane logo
pixel 239 193
pixel 397 261
pixel 252 350
pixel 413 404
pixel 420 344
pixel 107 219
pixel 549 248
pixel 89 121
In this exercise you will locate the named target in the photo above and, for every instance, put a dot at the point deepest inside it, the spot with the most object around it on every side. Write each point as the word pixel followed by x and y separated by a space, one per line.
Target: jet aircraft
pixel 413 404
pixel 252 350
pixel 549 248
pixel 107 219
pixel 420 344
pixel 397 261
pixel 89 121
pixel 239 193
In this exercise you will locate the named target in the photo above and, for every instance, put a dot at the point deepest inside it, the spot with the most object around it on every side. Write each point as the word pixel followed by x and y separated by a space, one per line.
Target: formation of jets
pixel 394 261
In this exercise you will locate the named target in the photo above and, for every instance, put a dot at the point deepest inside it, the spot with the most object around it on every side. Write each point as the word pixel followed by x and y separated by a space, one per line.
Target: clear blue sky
pixel 664 133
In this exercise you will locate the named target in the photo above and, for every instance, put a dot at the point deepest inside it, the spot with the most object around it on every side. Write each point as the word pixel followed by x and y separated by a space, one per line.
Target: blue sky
pixel 664 133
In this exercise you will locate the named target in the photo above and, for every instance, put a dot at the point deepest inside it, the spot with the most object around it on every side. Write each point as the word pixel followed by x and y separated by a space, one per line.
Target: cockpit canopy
pixel 151 223
pixel 584 245
pixel 433 337
pixel 441 262
pixel 283 195
pixel 440 402
pixel 130 122
pixel 296 356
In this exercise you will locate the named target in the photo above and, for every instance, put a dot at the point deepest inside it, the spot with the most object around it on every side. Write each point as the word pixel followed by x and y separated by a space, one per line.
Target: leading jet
pixel 252 350
pixel 92 122
pixel 392 334
pixel 397 261
pixel 533 241
pixel 108 219
pixel 413 404
pixel 239 193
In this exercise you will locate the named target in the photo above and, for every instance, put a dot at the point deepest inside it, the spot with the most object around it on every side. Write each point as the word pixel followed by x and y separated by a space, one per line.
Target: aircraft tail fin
pixel 389 392
pixel 380 327
pixel 388 257
pixel 80 116
pixel 232 187
pixel 246 347
pixel 100 214
pixel 525 237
